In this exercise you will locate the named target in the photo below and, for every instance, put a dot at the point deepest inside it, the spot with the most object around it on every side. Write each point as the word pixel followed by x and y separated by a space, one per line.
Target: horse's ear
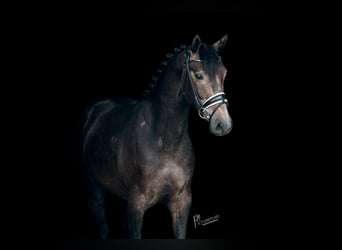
pixel 219 45
pixel 196 42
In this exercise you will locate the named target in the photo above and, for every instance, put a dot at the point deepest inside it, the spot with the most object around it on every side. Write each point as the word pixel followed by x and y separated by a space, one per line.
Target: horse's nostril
pixel 219 127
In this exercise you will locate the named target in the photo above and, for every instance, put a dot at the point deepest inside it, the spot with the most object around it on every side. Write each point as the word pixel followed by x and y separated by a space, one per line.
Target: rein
pixel 218 98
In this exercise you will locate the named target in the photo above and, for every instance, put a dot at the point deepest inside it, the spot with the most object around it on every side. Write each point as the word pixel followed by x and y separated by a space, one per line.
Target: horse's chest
pixel 173 175
pixel 167 180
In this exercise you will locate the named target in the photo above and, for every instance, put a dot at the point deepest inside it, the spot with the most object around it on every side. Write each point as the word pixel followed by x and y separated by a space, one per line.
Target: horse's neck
pixel 170 110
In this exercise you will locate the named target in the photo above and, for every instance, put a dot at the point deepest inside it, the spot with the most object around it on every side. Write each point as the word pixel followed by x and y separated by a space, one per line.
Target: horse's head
pixel 206 74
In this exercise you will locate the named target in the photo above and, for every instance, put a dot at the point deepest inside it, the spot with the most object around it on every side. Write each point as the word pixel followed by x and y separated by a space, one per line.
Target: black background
pixel 103 56
pixel 84 54
pixel 261 178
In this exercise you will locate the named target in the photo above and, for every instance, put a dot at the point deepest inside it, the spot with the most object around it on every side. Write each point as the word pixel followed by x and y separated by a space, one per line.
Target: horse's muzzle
pixel 220 122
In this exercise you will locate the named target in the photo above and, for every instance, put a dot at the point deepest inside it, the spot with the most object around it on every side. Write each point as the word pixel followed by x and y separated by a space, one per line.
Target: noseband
pixel 218 98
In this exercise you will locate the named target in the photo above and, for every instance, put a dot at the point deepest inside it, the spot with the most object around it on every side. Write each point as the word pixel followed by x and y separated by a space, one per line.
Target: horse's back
pixel 100 108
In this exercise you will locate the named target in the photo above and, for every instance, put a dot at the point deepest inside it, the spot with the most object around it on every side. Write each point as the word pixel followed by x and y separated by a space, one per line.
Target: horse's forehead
pixel 195 57
pixel 210 58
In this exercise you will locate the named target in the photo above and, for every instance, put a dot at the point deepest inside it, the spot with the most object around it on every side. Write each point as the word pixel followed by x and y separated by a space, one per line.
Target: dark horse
pixel 140 150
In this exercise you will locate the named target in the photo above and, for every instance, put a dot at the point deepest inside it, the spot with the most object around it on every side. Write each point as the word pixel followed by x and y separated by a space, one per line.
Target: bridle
pixel 218 98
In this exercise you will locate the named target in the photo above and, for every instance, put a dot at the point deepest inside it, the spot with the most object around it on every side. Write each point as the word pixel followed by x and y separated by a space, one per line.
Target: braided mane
pixel 155 78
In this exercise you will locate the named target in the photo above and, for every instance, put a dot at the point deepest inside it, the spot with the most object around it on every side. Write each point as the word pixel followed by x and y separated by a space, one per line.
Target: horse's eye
pixel 199 76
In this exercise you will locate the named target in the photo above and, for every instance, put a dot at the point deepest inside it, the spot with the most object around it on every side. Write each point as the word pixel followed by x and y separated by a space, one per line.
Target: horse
pixel 140 149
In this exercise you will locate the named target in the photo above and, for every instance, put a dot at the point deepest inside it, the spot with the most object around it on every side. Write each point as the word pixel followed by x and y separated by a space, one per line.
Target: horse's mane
pixel 155 78
pixel 207 54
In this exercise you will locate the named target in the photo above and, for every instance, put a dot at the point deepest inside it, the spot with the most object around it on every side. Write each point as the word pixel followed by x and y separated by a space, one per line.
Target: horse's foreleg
pixel 96 204
pixel 135 213
pixel 179 206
